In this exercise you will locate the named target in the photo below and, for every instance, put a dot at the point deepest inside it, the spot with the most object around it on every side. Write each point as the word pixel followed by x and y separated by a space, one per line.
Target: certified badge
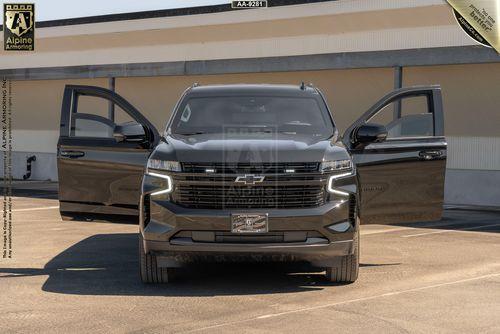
pixel 479 19
pixel 19 27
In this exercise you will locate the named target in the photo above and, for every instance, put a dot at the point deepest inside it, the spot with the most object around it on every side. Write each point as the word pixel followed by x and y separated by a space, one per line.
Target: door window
pixel 88 125
pixel 96 117
pixel 406 117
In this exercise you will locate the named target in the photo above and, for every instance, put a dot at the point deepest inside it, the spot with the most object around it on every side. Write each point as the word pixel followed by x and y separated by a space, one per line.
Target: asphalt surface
pixel 72 276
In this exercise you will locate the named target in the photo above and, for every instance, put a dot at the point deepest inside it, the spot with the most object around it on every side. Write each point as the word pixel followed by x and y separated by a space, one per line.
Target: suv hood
pixel 244 148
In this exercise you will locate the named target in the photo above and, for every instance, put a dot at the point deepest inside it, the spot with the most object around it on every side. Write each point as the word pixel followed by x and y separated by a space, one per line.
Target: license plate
pixel 249 223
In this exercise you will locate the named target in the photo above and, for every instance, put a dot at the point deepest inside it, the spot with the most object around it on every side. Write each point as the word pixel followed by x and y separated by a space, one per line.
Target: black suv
pixel 252 172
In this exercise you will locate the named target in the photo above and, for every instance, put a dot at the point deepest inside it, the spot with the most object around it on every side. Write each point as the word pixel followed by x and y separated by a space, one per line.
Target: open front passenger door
pixel 103 147
pixel 400 156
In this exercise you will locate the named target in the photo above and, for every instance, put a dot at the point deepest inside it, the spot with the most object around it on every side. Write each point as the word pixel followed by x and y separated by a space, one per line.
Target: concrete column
pixel 111 107
pixel 398 83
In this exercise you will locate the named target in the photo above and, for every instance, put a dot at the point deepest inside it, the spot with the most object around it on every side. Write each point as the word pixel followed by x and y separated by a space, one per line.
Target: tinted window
pixel 92 128
pixel 92 118
pixel 293 115
pixel 411 118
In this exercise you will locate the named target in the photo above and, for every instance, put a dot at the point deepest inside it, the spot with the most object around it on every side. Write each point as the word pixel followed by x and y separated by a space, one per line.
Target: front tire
pixel 150 272
pixel 345 268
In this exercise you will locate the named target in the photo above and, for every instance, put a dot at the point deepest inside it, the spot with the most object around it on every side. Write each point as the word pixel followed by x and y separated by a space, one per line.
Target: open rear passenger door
pixel 102 151
pixel 399 150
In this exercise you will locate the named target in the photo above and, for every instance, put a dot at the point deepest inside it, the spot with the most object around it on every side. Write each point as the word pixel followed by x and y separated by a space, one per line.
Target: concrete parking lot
pixel 68 277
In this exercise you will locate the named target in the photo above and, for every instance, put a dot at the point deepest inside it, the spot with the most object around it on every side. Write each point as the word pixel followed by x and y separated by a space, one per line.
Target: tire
pixel 345 268
pixel 150 272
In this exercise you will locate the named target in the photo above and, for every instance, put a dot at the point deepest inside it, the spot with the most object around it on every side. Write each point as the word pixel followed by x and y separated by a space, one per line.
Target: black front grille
pixel 281 188
pixel 220 196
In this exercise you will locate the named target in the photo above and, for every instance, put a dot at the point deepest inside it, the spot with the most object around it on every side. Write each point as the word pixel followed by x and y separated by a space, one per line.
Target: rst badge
pixel 19 27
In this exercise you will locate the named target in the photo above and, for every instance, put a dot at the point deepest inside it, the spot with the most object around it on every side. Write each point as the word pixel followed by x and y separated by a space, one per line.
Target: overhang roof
pixel 291 35
pixel 141 15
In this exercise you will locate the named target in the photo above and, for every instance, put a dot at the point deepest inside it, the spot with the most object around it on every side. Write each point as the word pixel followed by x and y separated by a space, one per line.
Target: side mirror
pixel 368 133
pixel 129 132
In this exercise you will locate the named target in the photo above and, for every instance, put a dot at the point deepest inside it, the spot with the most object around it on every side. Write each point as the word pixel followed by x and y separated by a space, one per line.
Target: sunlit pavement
pixel 83 276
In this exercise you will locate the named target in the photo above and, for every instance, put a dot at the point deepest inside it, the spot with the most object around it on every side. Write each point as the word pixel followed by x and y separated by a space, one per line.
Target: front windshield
pixel 217 114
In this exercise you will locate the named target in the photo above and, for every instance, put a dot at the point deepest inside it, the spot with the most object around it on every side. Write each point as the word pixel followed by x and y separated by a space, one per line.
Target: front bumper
pixel 173 233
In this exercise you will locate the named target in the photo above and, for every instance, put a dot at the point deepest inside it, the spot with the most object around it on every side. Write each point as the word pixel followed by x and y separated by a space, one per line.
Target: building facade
pixel 355 51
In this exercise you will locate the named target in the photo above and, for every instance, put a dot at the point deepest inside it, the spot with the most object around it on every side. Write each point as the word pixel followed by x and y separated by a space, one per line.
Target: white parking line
pixel 446 231
pixel 395 229
pixel 404 228
pixel 36 209
pixel 350 301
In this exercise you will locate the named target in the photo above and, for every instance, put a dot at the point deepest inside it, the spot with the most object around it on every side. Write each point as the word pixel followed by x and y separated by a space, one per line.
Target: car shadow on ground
pixel 107 264
pixel 30 193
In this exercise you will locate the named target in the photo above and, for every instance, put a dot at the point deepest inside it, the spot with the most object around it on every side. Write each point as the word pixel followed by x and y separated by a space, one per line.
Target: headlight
pixel 163 183
pixel 172 166
pixel 344 168
pixel 331 181
pixel 336 165
pixel 160 182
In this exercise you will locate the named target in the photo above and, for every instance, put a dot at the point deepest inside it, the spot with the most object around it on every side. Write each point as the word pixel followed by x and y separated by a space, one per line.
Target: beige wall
pixel 348 92
pixel 37 104
pixel 318 25
pixel 326 27
pixel 471 103
pixel 470 93
pixel 471 96
pixel 471 99
pixel 36 113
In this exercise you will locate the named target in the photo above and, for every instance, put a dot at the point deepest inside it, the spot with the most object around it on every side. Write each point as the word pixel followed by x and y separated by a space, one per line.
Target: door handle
pixel 72 154
pixel 429 155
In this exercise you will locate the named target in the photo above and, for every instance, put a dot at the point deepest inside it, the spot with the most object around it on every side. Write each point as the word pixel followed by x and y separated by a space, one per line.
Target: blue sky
pixel 61 9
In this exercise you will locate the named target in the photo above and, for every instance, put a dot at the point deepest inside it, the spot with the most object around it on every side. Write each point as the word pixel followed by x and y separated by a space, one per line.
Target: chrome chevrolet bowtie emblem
pixel 249 179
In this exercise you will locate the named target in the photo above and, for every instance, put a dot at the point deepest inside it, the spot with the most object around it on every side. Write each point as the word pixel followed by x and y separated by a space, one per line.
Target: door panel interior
pixel 402 178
